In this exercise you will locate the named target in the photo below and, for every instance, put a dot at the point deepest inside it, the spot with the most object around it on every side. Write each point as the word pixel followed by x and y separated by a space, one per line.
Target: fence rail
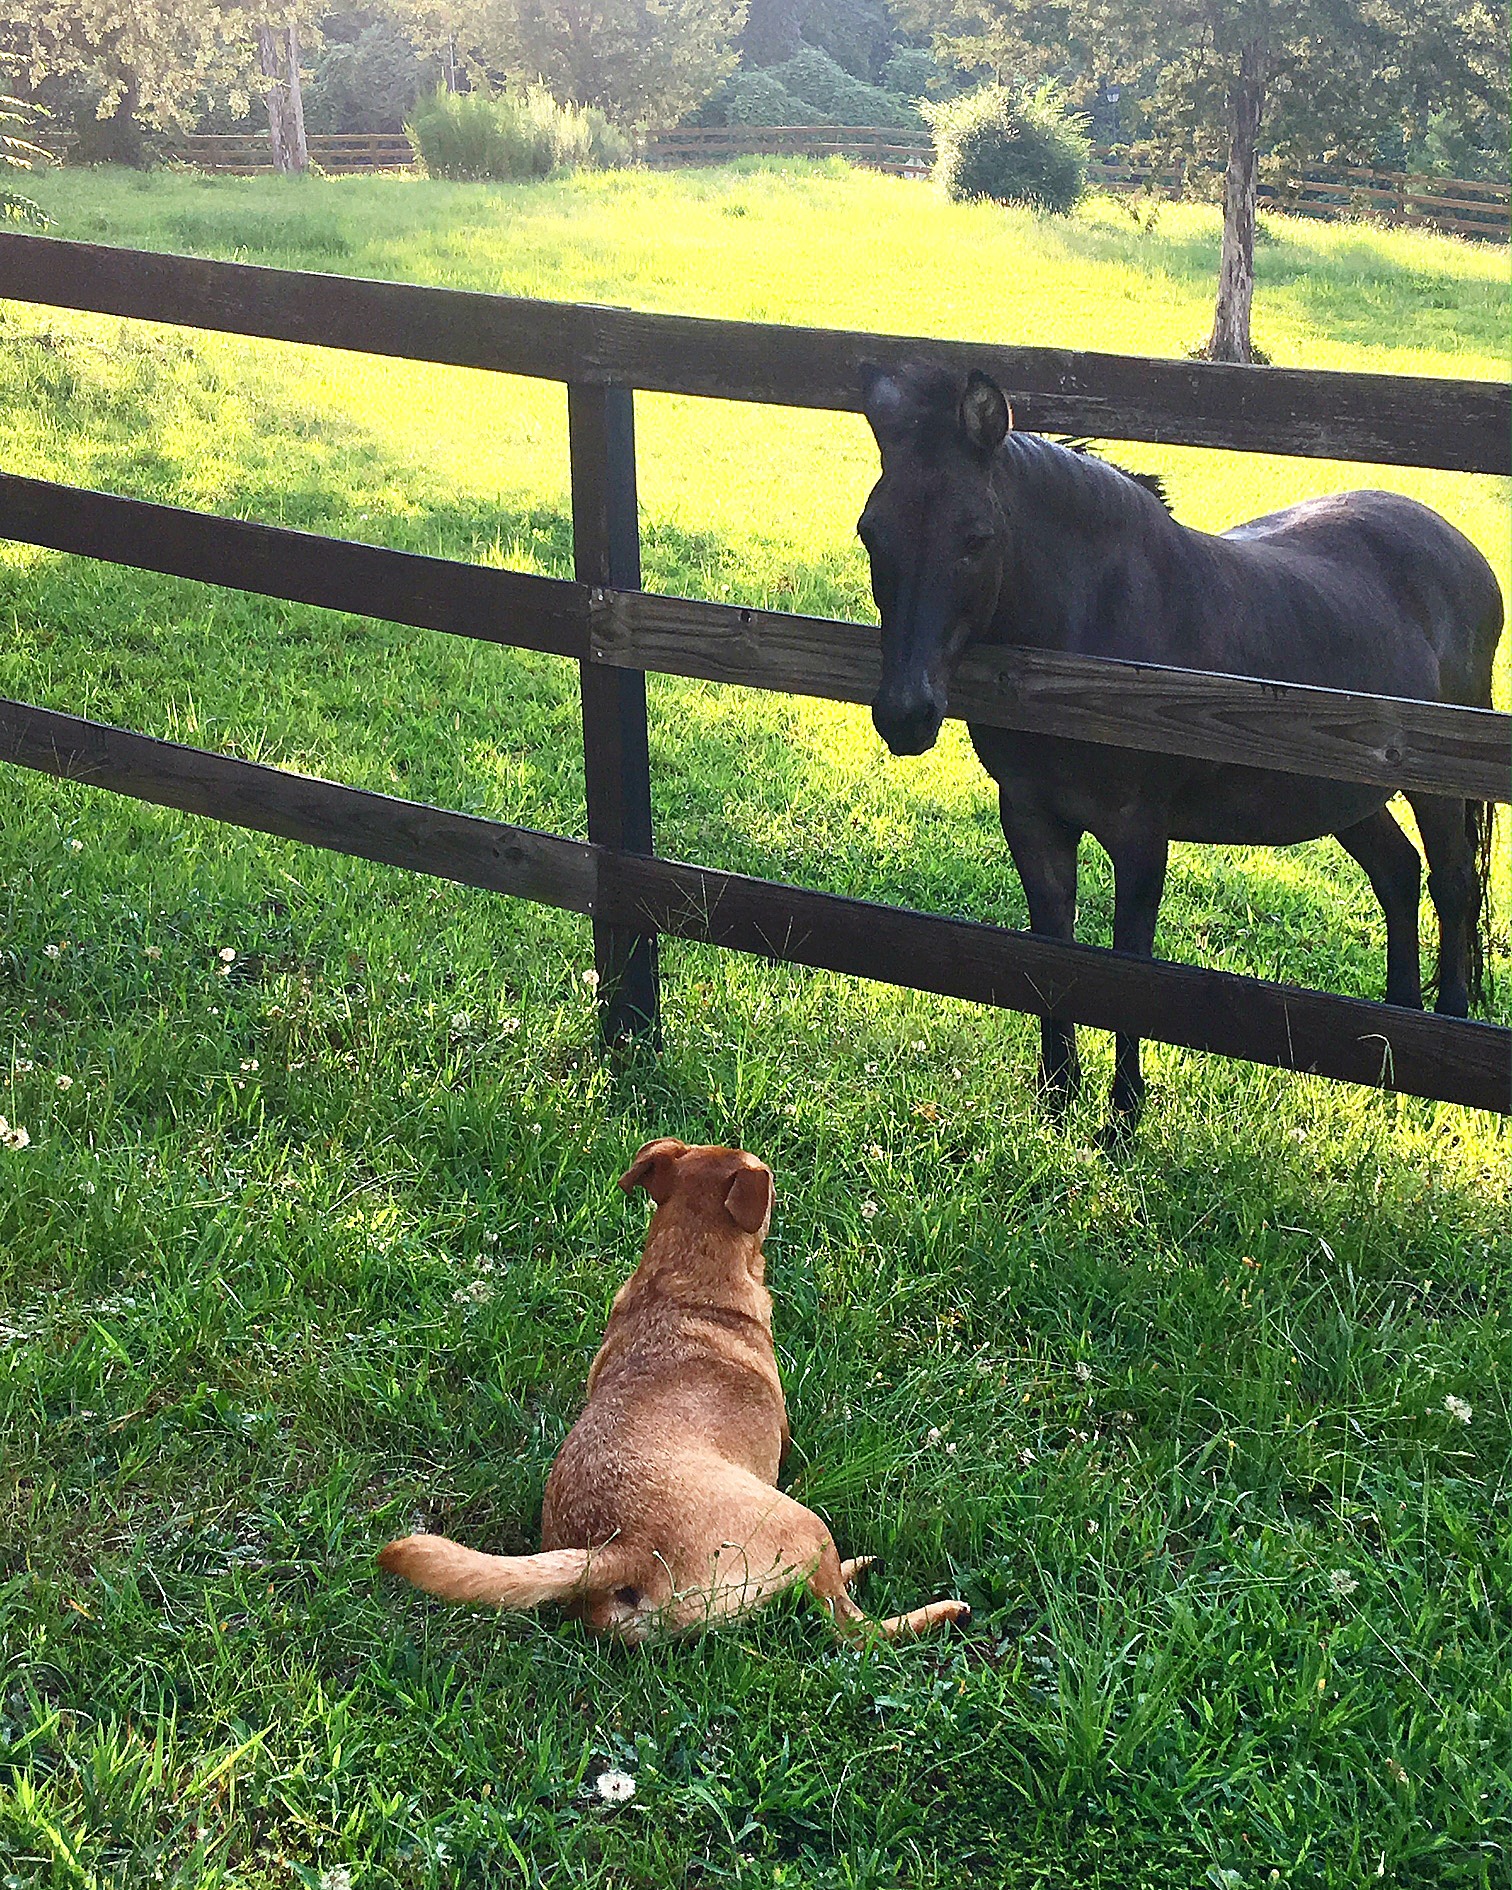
pixel 602 620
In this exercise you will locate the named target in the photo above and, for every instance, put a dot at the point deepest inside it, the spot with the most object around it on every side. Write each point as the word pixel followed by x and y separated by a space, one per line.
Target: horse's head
pixel 934 531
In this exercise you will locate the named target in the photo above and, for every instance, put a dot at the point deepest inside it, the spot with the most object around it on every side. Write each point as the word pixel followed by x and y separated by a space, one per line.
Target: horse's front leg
pixel 1044 851
pixel 1138 853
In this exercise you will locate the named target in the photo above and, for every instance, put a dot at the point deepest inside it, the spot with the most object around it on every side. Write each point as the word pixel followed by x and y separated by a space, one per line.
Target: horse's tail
pixel 445 1568
pixel 1480 825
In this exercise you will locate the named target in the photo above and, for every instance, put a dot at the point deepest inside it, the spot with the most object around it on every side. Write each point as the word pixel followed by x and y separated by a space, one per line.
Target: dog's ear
pixel 653 1167
pixel 748 1198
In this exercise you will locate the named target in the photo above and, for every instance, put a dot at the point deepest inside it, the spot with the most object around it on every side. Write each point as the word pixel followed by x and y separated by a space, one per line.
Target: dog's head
pixel 715 1181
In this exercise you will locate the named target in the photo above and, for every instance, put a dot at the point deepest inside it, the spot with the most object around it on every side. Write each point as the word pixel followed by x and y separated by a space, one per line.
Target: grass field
pixel 311 1243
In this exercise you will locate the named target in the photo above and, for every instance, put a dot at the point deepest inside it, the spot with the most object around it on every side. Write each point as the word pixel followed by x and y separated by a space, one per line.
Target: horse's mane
pixel 1152 482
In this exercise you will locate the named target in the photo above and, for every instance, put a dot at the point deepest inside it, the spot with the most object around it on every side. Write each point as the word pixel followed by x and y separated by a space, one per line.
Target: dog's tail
pixel 445 1568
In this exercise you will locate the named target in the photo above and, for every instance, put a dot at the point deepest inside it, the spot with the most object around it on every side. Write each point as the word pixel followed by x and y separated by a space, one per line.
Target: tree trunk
pixel 117 139
pixel 1230 339
pixel 278 59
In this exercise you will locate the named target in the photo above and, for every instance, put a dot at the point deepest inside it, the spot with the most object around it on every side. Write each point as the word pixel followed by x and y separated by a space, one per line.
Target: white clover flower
pixel 52 951
pixel 869 1210
pixel 250 1063
pixel 24 1066
pixel 1083 1372
pixel 510 1026
pixel 339 1877
pixel 478 1291
pixel 919 1044
pixel 152 951
pixel 76 846
pixel 591 979
pixel 227 954
pixel 1341 1582
pixel 615 1788
pixel 1457 1408
pixel 65 1082
pixel 461 1021
pixel 933 1434
pixel 871 1069
pixel 13 1138
pixel 875 1151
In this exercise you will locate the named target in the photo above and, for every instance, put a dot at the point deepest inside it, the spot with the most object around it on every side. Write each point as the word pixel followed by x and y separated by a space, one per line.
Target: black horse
pixel 978 534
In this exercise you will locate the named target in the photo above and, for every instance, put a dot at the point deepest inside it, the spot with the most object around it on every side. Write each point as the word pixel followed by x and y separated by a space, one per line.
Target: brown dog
pixel 662 1512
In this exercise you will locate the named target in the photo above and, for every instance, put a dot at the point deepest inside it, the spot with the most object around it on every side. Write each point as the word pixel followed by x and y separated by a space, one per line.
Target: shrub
pixel 1011 146
pixel 808 89
pixel 519 134
pixel 760 98
pixel 815 78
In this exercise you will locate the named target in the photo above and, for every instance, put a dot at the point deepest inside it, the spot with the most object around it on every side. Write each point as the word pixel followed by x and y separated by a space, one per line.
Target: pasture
pixel 319 1237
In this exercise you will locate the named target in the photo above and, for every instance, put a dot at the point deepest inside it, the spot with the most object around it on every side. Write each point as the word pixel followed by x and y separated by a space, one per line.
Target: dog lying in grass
pixel 662 1513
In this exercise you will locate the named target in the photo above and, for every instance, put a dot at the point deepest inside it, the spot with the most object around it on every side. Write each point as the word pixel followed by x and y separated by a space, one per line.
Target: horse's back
pixel 1386 573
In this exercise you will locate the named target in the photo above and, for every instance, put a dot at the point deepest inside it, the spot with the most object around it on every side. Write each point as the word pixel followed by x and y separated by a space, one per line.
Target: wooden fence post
pixel 616 759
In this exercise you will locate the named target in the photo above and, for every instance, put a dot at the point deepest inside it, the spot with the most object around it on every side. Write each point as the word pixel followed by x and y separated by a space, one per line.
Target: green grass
pixel 314 1244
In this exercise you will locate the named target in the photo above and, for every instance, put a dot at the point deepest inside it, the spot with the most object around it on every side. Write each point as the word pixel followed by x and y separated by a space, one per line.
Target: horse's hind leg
pixel 1044 851
pixel 1391 864
pixel 1455 888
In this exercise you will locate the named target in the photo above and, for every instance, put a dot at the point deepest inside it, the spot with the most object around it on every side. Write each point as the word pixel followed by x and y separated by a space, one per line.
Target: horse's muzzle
pixel 908 724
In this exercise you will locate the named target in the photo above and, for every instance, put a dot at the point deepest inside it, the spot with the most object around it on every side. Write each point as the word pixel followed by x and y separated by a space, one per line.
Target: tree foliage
pixel 637 60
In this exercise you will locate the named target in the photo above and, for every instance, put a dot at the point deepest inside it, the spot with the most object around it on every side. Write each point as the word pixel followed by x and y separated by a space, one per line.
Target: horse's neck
pixel 1092 552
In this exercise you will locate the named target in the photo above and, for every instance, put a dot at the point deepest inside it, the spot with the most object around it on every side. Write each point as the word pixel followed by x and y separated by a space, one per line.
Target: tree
pixel 637 60
pixel 127 64
pixel 1224 80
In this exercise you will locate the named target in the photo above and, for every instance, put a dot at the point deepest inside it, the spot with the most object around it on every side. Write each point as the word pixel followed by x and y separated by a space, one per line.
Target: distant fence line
pixel 1464 206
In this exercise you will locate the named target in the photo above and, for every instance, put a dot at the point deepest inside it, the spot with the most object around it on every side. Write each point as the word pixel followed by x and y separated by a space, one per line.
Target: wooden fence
pixel 245 153
pixel 615 632
pixel 1461 205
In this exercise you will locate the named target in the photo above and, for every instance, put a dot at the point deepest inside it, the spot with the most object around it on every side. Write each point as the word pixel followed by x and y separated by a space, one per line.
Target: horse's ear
pixel 882 400
pixel 986 416
pixel 653 1168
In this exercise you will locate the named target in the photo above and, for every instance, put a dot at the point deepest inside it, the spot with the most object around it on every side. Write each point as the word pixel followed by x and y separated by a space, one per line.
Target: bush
pixel 1014 147
pixel 808 89
pixel 841 99
pixel 519 134
pixel 760 98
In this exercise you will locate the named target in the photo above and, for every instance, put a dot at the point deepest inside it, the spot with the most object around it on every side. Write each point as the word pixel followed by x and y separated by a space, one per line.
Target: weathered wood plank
pixel 1387 418
pixel 1283 1025
pixel 470 600
pixel 1327 732
pixel 487 853
pixel 616 748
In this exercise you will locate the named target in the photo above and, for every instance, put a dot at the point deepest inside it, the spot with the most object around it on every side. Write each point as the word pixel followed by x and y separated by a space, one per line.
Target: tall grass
pixel 517 134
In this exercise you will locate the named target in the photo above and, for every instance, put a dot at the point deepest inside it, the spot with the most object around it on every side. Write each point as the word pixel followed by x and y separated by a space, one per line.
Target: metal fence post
pixel 616 759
